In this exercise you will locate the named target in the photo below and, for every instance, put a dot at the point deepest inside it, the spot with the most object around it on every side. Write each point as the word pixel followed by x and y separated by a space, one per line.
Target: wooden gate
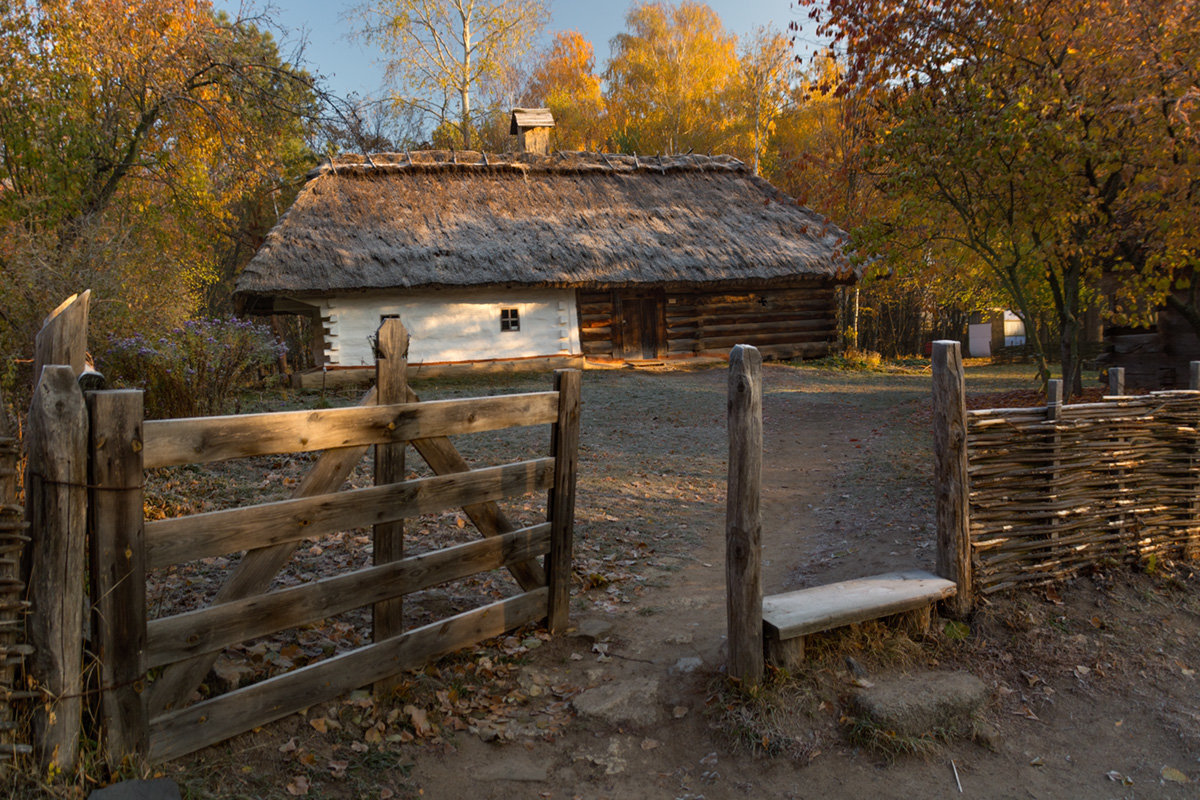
pixel 149 717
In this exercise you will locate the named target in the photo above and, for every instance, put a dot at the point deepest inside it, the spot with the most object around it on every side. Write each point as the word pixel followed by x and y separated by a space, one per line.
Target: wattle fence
pixel 1030 496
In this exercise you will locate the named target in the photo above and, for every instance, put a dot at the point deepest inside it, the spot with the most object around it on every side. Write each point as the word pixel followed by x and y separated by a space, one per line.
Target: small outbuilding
pixel 547 259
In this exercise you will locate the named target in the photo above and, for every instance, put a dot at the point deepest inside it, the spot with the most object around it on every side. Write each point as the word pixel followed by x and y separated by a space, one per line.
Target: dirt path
pixel 1098 681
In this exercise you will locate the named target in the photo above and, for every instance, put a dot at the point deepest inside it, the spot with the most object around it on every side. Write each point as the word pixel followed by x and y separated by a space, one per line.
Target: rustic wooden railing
pixel 143 717
pixel 1028 496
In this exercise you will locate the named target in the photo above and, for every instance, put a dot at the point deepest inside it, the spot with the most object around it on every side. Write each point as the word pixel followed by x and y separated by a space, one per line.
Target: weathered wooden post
pixel 12 589
pixel 56 503
pixel 1116 381
pixel 1054 402
pixel 564 444
pixel 743 522
pixel 951 479
pixel 1194 375
pixel 391 386
pixel 63 337
pixel 118 570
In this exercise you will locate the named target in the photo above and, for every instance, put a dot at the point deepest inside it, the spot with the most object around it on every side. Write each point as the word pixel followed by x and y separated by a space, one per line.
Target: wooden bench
pixel 789 617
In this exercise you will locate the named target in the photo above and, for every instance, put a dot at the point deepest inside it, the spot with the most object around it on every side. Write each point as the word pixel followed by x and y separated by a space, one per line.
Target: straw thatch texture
pixel 1106 482
pixel 443 219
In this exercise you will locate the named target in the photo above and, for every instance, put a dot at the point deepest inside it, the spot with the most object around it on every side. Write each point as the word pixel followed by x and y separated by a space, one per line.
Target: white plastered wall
pixel 454 325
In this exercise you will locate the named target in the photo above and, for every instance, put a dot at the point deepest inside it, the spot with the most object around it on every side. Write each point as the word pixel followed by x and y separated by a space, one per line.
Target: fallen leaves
pixel 1173 775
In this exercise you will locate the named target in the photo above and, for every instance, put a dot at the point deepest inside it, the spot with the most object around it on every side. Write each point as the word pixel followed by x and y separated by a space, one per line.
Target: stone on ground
pixel 628 702
pixel 925 703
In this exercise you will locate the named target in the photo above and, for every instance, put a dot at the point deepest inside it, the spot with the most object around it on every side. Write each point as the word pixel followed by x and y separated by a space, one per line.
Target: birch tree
pixel 439 52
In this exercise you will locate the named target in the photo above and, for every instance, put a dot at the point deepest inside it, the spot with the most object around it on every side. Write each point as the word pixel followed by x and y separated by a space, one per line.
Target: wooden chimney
pixel 532 127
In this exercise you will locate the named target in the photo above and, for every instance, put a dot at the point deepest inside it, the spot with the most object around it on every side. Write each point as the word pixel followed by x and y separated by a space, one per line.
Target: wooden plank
pixel 596 348
pixel 685 326
pixel 391 387
pixel 444 459
pixel 951 478
pixel 118 574
pixel 63 337
pixel 182 539
pixel 564 444
pixel 187 730
pixel 255 571
pixel 734 326
pixel 743 520
pixel 753 338
pixel 811 350
pixel 56 506
pixel 206 439
pixel 820 608
pixel 208 630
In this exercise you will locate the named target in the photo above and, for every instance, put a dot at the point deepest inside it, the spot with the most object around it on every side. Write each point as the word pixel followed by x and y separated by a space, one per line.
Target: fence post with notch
pixel 743 520
pixel 952 486
pixel 391 382
pixel 118 570
pixel 560 504
pixel 56 503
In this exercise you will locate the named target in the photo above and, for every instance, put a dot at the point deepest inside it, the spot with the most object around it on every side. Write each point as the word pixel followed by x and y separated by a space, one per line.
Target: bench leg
pixel 784 653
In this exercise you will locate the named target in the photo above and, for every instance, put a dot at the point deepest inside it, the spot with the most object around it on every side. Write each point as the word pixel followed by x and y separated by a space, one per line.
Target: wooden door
pixel 640 324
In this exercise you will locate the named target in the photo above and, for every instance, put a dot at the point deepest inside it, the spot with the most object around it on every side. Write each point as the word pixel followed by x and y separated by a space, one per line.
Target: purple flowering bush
pixel 194 370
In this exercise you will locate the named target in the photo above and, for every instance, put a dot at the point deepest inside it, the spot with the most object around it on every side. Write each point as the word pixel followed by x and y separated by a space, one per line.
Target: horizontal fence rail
pixel 204 440
pixel 180 732
pixel 192 633
pixel 181 539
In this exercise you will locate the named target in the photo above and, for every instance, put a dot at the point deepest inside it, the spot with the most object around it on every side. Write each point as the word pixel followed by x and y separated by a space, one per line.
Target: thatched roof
pixel 445 219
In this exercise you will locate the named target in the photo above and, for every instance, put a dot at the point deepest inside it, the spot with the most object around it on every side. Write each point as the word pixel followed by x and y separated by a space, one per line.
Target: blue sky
pixel 352 67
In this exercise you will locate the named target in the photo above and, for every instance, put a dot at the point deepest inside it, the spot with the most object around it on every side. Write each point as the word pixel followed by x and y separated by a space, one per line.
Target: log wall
pixel 783 322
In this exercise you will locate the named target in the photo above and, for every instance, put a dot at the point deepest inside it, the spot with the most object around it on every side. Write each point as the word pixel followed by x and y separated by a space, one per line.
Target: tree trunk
pixel 465 86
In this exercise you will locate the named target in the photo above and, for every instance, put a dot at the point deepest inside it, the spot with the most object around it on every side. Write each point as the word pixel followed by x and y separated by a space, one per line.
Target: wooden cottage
pixel 520 257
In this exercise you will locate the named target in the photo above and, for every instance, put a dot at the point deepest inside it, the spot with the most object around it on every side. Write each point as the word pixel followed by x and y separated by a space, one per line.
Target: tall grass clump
pixel 194 370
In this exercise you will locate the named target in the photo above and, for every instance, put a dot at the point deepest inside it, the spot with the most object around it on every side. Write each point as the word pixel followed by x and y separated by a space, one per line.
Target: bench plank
pixel 820 608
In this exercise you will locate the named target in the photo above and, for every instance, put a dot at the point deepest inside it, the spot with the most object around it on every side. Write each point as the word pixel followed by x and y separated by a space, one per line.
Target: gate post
pixel 951 481
pixel 560 505
pixel 118 570
pixel 56 499
pixel 391 386
pixel 743 521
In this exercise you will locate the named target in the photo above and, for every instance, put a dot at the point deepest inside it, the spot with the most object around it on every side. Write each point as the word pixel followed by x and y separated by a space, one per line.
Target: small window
pixel 510 320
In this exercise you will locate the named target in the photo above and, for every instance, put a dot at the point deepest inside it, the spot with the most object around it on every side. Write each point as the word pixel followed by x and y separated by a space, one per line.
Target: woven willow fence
pixel 12 606
pixel 1055 490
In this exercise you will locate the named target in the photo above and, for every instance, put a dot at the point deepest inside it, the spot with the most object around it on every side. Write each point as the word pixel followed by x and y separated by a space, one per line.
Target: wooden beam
pixel 564 444
pixel 118 573
pixel 391 386
pixel 182 539
pixel 743 520
pixel 187 730
pixel 56 506
pixel 206 439
pixel 208 630
pixel 951 478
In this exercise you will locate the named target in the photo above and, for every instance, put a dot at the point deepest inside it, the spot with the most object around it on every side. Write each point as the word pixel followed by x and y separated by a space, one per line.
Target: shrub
pixel 195 370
